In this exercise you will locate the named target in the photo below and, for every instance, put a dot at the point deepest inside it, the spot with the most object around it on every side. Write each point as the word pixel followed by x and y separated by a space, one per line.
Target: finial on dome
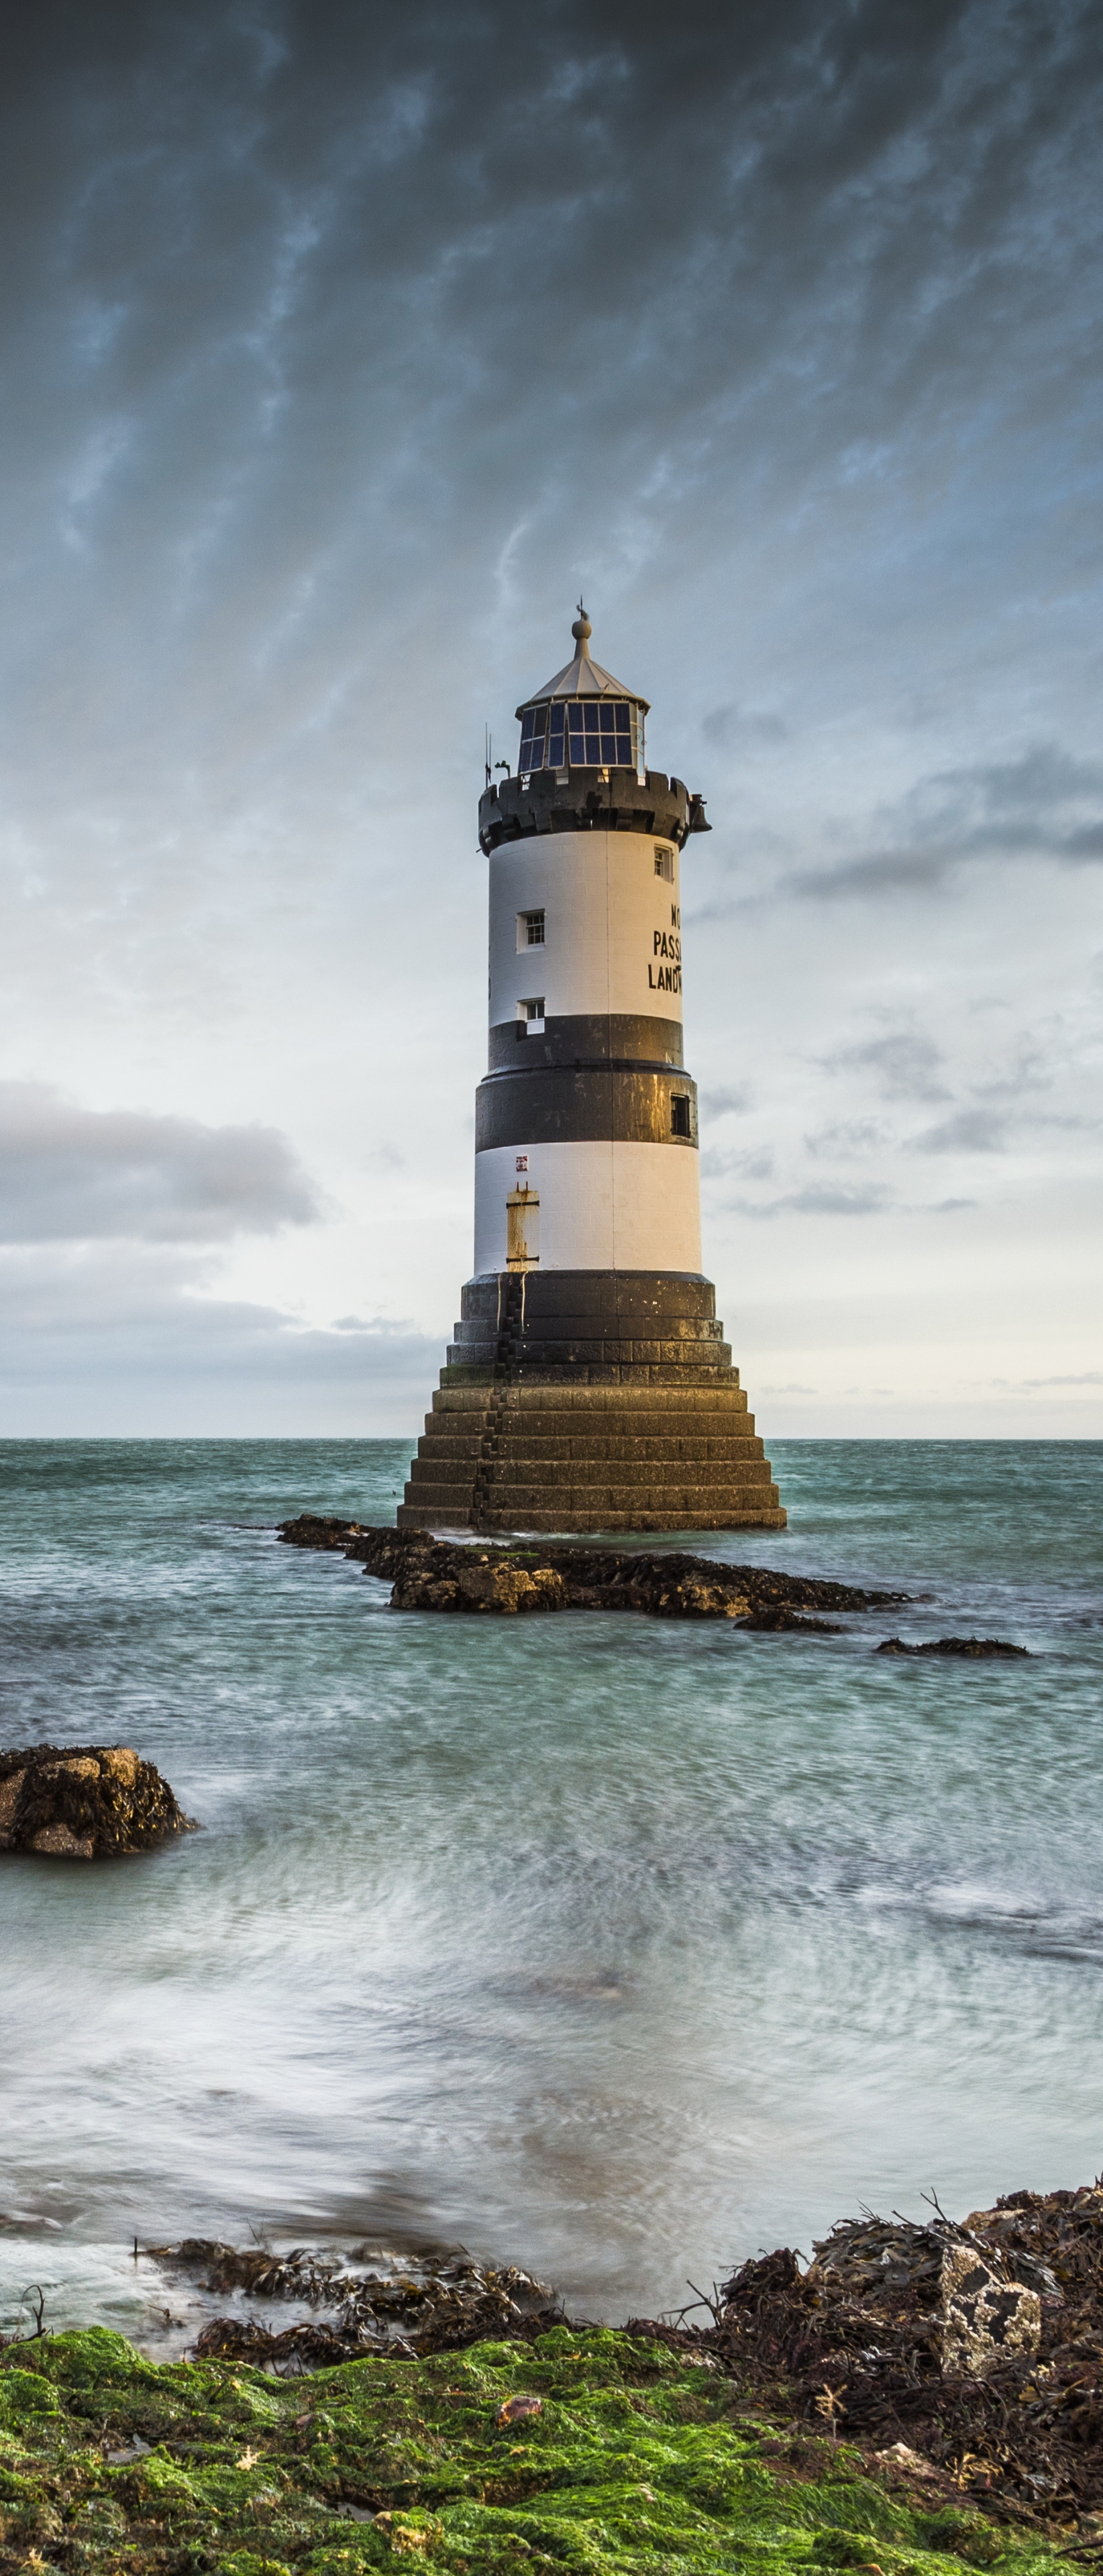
pixel 582 631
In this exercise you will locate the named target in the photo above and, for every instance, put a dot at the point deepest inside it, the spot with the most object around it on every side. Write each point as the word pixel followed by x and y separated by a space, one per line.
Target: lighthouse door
pixel 522 1229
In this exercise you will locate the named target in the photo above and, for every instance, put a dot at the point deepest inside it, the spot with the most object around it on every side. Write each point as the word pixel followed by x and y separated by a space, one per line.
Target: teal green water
pixel 614 1947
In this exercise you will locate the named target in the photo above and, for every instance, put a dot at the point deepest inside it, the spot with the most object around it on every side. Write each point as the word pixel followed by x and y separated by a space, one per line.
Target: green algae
pixel 636 2462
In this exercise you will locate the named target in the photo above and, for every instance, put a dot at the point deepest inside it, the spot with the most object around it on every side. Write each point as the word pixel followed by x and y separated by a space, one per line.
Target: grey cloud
pixel 873 1200
pixel 849 1137
pixel 904 1064
pixel 71 1174
pixel 123 1339
pixel 1032 806
pixel 734 728
pixel 755 1163
pixel 986 1129
pixel 1088 1377
pixel 969 1131
pixel 723 1104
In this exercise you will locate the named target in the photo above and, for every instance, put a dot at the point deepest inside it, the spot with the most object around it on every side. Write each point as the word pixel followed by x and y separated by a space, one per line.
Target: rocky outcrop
pixel 434 1574
pixel 84 1801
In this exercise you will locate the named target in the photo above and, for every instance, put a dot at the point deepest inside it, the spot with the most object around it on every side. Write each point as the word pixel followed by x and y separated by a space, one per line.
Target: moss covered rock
pixel 635 2461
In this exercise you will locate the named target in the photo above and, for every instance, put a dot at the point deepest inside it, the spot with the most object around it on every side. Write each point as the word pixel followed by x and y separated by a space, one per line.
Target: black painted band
pixel 631 1298
pixel 614 1321
pixel 555 1105
pixel 584 1038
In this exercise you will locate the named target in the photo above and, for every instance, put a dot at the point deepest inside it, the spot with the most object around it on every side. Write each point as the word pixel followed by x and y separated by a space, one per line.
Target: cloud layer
pixel 345 345
pixel 68 1174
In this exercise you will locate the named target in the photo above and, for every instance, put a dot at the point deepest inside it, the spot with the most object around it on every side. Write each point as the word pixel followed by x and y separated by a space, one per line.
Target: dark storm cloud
pixel 1044 804
pixel 327 302
pixel 70 1174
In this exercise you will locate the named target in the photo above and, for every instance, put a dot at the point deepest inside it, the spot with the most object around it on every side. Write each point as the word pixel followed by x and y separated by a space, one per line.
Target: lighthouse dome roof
pixel 583 677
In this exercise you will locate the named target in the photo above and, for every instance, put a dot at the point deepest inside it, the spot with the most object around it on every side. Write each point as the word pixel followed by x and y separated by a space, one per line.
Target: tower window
pixel 679 1114
pixel 533 727
pixel 530 1018
pixel 602 734
pixel 530 930
pixel 664 863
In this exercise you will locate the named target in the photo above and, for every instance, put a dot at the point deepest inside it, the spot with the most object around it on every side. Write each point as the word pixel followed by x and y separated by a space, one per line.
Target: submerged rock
pixel 970 1646
pixel 81 1801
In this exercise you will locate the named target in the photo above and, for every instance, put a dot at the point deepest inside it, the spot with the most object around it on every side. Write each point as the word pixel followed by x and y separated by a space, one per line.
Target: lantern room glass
pixel 586 733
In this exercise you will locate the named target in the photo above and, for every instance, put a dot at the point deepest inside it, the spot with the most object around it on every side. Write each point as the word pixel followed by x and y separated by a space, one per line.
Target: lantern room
pixel 583 719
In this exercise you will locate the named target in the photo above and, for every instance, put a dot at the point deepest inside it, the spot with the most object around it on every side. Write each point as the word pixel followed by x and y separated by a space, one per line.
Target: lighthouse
pixel 589 1385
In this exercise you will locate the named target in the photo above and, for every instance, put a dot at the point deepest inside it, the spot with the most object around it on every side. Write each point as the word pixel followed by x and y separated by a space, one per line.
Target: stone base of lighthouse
pixel 590 1400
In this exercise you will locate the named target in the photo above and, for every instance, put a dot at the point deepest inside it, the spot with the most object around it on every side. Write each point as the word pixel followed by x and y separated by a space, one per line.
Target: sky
pixel 346 346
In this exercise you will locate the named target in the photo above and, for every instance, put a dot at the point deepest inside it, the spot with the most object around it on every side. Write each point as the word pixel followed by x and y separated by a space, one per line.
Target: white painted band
pixel 612 927
pixel 603 1206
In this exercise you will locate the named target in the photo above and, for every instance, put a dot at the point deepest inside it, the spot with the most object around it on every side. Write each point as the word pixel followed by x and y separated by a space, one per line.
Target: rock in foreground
pixel 84 1801
pixel 434 1574
pixel 585 2452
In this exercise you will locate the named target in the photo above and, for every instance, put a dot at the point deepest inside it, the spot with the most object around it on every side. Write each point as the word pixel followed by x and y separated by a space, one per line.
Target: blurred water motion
pixel 607 1946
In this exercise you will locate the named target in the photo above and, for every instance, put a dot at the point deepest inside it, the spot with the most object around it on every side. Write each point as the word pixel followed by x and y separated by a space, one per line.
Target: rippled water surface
pixel 615 1947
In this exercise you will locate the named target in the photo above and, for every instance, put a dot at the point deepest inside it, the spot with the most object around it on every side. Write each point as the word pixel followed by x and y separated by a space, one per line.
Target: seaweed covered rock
pixel 426 2306
pixel 975 2348
pixel 977 2310
pixel 83 1801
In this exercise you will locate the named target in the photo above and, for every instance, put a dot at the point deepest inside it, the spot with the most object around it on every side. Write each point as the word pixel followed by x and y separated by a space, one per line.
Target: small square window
pixel 664 864
pixel 530 1018
pixel 679 1114
pixel 530 930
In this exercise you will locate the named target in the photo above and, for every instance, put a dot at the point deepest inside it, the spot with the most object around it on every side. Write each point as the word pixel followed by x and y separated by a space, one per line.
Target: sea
pixel 615 1947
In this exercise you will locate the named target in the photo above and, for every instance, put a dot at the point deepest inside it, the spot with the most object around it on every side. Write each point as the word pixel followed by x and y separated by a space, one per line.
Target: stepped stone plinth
pixel 566 1406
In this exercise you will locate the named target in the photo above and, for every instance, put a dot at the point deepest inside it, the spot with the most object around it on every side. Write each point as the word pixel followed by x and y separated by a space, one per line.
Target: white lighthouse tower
pixel 589 1385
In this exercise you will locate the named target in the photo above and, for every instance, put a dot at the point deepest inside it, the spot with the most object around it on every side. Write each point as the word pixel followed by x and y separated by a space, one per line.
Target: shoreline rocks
pixel 961 2359
pixel 535 1576
pixel 85 1802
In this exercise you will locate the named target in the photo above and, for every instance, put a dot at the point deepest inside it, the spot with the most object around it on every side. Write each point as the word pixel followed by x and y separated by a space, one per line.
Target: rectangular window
pixel 530 1018
pixel 530 930
pixel 603 733
pixel 664 864
pixel 533 724
pixel 557 756
pixel 679 1114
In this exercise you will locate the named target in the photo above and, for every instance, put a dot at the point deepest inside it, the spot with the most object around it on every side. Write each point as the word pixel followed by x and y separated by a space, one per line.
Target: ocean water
pixel 614 1947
